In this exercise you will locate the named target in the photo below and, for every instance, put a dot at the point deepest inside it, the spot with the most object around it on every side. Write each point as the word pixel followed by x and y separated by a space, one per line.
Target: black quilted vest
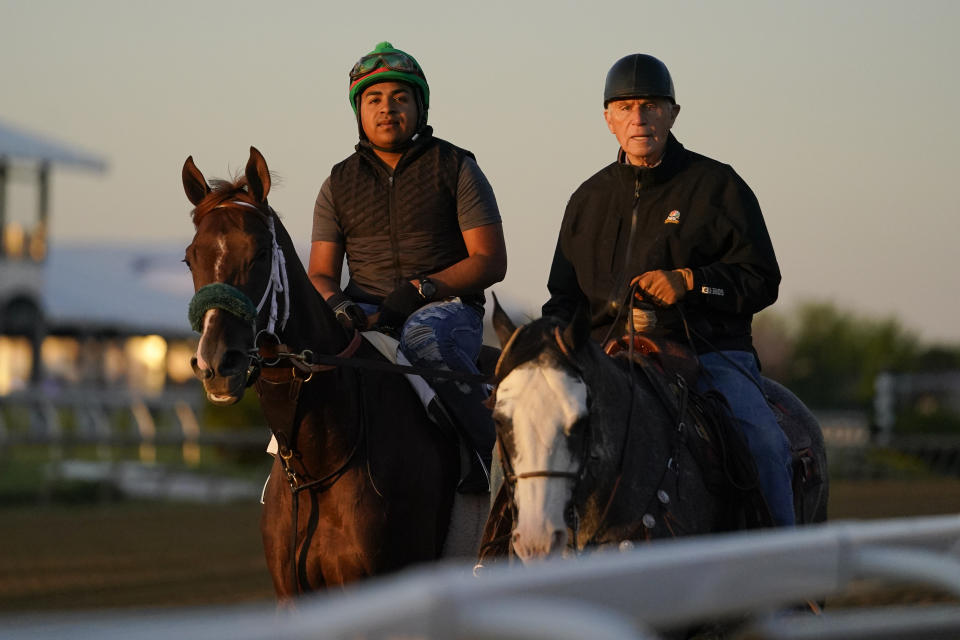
pixel 401 226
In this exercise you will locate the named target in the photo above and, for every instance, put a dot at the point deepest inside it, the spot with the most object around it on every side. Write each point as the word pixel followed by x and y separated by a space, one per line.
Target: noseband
pixel 510 477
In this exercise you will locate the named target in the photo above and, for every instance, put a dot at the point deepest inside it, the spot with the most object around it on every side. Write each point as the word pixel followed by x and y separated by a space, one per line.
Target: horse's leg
pixel 812 506
pixel 275 525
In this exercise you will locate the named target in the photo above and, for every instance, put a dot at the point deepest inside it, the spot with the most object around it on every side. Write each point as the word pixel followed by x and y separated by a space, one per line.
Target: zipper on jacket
pixel 394 232
pixel 621 283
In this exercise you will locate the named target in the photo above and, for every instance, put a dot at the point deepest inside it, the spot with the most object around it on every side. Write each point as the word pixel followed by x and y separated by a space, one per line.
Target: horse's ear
pixel 577 332
pixel 502 323
pixel 194 184
pixel 258 176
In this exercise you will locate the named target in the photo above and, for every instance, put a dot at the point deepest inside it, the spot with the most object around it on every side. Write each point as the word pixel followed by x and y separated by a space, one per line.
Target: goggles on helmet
pixel 393 61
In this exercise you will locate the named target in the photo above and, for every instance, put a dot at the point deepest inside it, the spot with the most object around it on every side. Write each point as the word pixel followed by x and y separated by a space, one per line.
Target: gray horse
pixel 594 452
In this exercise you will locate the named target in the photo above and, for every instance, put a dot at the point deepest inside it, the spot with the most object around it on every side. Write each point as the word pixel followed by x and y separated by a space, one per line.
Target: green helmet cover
pixel 384 73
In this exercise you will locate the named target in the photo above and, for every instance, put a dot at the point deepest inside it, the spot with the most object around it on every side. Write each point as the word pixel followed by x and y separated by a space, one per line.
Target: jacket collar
pixel 415 148
pixel 671 162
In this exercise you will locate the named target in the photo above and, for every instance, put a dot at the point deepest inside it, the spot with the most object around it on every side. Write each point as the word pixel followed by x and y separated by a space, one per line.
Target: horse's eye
pixel 186 261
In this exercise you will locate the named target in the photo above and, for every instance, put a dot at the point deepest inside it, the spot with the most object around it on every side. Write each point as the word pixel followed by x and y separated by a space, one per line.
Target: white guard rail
pixel 617 595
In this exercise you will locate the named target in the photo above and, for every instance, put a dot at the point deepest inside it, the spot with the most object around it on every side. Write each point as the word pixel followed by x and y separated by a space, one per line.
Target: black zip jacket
pixel 691 211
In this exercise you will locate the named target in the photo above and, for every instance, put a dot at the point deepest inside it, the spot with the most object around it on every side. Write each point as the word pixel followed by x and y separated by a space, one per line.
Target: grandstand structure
pixel 26 164
pixel 99 317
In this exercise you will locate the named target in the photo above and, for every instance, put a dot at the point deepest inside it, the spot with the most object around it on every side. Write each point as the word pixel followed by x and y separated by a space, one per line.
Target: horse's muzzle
pixel 226 385
pixel 540 548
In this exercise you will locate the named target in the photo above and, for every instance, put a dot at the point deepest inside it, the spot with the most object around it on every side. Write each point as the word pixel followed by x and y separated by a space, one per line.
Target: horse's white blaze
pixel 542 402
pixel 202 344
pixel 209 315
pixel 218 263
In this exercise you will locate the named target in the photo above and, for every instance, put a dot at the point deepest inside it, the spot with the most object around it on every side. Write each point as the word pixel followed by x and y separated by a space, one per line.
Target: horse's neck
pixel 312 323
pixel 626 409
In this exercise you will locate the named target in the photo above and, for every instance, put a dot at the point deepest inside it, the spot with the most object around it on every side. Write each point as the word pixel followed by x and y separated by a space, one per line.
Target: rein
pixel 310 362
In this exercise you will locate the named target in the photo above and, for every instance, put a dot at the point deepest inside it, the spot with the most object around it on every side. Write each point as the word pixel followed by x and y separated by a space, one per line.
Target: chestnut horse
pixel 363 482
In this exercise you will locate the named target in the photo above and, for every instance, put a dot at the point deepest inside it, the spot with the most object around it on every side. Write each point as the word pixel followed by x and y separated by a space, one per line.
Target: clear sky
pixel 842 117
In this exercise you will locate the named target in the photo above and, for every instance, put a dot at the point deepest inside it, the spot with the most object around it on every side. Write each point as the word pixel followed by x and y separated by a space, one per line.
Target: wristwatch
pixel 427 288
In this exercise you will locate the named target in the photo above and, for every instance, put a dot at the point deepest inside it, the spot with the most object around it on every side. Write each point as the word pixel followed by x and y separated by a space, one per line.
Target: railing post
pixel 884 406
pixel 147 429
pixel 190 428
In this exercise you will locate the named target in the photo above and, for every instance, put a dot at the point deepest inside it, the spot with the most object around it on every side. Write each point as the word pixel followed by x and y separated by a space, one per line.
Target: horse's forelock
pixel 532 340
pixel 222 191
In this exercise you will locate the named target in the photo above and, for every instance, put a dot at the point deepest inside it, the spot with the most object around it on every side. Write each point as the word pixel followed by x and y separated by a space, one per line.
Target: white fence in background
pixel 639 593
pixel 113 420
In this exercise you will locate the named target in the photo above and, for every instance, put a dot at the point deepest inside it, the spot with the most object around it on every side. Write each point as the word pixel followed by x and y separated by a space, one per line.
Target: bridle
pixel 230 299
pixel 571 515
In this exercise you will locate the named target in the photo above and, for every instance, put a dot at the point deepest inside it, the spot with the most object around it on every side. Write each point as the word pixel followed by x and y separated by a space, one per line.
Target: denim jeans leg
pixel 448 335
pixel 765 438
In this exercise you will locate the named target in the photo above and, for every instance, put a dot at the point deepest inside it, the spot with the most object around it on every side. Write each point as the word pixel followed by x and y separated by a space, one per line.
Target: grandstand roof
pixel 18 144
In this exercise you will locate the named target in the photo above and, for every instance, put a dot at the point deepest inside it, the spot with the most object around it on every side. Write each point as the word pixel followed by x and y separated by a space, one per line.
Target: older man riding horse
pixel 595 451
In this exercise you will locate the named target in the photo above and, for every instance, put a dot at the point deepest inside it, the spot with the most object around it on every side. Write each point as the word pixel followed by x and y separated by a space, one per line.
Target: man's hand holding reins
pixel 665 288
pixel 348 312
pixel 397 307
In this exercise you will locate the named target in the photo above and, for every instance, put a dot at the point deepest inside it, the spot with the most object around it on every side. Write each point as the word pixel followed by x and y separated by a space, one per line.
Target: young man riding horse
pixel 687 234
pixel 420 228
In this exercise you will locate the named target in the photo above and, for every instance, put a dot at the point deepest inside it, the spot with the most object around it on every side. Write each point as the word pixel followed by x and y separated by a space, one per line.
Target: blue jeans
pixel 448 335
pixel 765 438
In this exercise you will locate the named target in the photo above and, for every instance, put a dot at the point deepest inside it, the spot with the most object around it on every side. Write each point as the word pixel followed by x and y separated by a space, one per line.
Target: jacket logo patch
pixel 711 291
pixel 673 217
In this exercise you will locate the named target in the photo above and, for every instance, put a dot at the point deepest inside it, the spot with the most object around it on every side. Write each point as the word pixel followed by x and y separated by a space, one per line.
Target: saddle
pixel 673 358
pixel 665 361
pixel 715 440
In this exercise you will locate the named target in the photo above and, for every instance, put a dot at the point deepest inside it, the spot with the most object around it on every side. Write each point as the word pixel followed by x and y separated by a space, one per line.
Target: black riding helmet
pixel 637 76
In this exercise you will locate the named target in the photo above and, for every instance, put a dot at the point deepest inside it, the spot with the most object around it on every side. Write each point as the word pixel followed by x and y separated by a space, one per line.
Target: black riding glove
pixel 397 307
pixel 348 312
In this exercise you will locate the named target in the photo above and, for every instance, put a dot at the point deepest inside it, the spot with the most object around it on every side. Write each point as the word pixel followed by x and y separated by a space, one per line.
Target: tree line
pixel 831 357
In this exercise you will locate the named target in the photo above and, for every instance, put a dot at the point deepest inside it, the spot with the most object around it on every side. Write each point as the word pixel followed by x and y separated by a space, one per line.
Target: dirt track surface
pixel 125 555
pixel 160 555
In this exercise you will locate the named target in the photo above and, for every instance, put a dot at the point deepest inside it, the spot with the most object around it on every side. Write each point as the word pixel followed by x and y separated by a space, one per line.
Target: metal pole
pixel 3 205
pixel 38 237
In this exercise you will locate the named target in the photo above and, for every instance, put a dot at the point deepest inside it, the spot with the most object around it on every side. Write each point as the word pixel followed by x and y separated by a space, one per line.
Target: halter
pixel 511 478
pixel 221 295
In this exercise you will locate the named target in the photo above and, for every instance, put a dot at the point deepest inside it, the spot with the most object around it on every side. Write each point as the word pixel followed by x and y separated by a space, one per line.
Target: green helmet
pixel 386 64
